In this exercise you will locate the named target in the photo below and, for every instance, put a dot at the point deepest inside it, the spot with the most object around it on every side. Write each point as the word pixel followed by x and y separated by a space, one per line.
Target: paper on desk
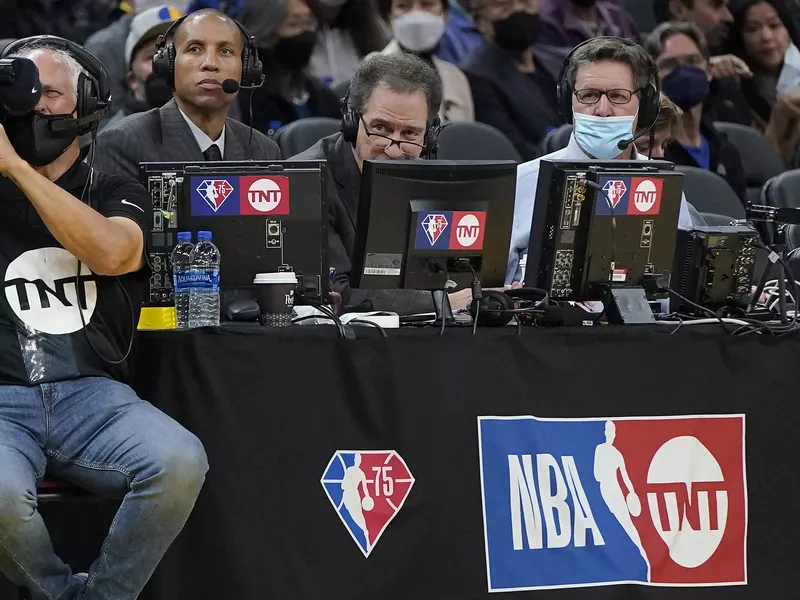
pixel 790 74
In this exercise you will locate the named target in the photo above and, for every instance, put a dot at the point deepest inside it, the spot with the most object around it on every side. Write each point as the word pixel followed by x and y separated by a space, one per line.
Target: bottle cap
pixel 203 235
pixel 184 236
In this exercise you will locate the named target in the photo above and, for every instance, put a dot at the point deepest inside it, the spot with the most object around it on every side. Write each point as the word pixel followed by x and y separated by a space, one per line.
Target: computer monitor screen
pixel 582 243
pixel 264 217
pixel 422 222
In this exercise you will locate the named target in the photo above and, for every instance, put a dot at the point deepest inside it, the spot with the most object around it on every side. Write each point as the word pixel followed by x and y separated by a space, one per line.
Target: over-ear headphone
pixel 649 96
pixel 495 309
pixel 351 119
pixel 94 90
pixel 164 58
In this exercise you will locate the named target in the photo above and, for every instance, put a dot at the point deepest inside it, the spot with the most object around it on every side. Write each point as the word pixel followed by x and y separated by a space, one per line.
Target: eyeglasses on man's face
pixel 384 142
pixel 616 96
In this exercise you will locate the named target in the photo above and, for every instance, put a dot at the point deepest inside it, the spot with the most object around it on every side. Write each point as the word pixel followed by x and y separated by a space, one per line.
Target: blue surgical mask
pixel 599 136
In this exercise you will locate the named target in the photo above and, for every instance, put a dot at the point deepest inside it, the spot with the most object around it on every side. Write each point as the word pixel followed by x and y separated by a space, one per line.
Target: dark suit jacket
pixel 162 135
pixel 344 189
pixel 522 106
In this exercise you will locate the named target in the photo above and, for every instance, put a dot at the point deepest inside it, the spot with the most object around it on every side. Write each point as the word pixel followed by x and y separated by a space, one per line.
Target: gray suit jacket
pixel 162 135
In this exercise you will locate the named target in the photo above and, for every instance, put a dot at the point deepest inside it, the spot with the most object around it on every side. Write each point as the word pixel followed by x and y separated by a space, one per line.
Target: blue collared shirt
pixel 527 180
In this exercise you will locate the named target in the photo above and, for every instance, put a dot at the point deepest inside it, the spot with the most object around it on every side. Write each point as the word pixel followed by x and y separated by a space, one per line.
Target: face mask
pixel 157 92
pixel 599 136
pixel 33 139
pixel 418 31
pixel 293 53
pixel 686 86
pixel 517 32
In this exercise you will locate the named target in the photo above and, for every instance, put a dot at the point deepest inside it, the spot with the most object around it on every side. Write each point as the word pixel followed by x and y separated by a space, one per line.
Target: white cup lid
pixel 287 277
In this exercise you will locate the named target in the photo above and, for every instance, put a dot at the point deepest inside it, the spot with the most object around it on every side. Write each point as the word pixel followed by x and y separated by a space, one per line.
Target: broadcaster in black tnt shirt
pixel 63 408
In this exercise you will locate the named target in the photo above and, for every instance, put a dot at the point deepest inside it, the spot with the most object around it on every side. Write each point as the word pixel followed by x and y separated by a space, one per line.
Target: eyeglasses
pixel 615 96
pixel 376 140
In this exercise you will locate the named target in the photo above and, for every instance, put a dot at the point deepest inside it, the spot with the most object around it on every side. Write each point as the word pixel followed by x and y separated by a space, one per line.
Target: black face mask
pixel 517 32
pixel 293 53
pixel 35 141
pixel 157 92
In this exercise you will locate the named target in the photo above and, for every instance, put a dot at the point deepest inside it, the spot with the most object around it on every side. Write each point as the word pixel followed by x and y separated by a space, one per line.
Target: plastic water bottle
pixel 204 293
pixel 181 284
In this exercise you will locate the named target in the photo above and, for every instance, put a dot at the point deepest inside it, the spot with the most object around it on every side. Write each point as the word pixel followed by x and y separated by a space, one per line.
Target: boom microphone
pixel 625 144
pixel 230 86
pixel 20 88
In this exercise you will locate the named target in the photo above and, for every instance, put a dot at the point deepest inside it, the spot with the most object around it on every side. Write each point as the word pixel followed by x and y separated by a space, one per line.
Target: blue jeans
pixel 100 435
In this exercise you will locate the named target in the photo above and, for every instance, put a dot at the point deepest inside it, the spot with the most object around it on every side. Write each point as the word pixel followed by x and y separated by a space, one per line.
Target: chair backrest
pixel 341 89
pixel 760 159
pixel 464 140
pixel 300 135
pixel 783 191
pixel 710 193
pixel 715 220
pixel 557 139
pixel 643 13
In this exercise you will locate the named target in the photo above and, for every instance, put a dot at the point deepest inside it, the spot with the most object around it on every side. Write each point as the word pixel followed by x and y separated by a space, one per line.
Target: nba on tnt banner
pixel 634 500
pixel 227 196
pixel 450 230
pixel 629 196
pixel 367 489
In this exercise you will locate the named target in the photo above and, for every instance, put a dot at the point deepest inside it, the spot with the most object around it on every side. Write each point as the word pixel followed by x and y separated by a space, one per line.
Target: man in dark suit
pixel 392 101
pixel 194 125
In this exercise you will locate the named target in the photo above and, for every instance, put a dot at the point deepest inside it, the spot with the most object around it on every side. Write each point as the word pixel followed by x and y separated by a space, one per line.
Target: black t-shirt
pixel 42 336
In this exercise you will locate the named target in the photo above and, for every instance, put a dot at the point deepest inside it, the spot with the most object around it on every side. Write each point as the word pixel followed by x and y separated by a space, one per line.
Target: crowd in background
pixel 499 60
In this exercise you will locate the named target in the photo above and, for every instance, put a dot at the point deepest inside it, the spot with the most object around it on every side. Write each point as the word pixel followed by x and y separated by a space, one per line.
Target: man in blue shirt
pixel 606 79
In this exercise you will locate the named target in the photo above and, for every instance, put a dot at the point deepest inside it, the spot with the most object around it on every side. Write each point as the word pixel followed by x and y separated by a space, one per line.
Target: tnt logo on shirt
pixel 646 196
pixel 264 195
pixel 431 227
pixel 211 197
pixel 586 502
pixel 467 234
pixel 367 488
pixel 618 194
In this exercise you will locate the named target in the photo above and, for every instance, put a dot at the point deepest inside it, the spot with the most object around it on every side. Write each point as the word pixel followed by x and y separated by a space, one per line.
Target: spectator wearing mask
pixel 145 90
pixel 762 34
pixel 390 110
pixel 418 26
pixel 608 89
pixel 682 57
pixel 513 79
pixel 461 36
pixel 567 23
pixel 286 31
pixel 713 17
pixel 349 31
pixel 207 50
pixel 669 125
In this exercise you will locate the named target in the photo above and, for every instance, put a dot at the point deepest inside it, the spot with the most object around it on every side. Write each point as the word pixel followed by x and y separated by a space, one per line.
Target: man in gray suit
pixel 194 125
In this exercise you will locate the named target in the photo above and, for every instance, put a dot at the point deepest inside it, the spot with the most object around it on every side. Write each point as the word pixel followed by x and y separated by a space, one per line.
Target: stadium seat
pixel 783 191
pixel 302 134
pixel 760 159
pixel 715 220
pixel 464 140
pixel 710 193
pixel 341 89
pixel 557 139
pixel 643 13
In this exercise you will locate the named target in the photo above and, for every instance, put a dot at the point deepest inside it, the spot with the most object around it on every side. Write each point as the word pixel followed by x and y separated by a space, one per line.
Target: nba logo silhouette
pixel 636 500
pixel 209 196
pixel 468 231
pixel 617 192
pixel 646 196
pixel 367 488
pixel 264 195
pixel 430 227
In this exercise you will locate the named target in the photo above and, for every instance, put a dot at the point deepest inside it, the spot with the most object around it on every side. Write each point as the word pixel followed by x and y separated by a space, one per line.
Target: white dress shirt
pixel 527 181
pixel 203 140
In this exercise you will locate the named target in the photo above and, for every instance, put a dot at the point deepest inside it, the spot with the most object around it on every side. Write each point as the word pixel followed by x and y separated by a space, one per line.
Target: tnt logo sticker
pixel 585 502
pixel 430 230
pixel 646 196
pixel 367 488
pixel 210 196
pixel 467 234
pixel 264 195
pixel 618 194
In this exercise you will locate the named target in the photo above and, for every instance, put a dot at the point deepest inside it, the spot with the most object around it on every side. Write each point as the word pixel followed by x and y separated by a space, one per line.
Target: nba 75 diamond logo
pixel 209 196
pixel 430 229
pixel 367 488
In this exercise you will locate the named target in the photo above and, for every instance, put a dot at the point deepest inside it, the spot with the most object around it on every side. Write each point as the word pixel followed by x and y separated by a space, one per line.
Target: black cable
pixel 328 312
pixel 370 324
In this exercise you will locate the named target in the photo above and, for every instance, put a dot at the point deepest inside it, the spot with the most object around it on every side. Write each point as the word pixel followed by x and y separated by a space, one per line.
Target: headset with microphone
pixel 94 90
pixel 649 95
pixel 252 68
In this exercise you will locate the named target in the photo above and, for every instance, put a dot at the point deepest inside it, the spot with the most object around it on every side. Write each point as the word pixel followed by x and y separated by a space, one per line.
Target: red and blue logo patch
pixel 456 230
